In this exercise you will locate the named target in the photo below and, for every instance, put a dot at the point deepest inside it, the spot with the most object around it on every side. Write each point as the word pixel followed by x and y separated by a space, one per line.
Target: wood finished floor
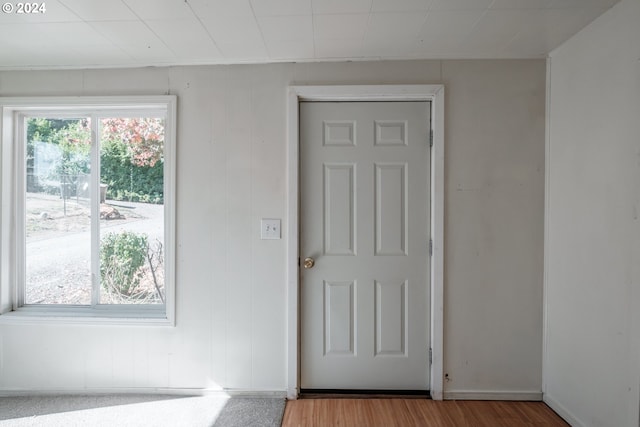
pixel 417 412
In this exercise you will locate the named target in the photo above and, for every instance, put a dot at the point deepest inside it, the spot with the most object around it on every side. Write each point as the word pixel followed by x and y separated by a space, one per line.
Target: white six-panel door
pixel 364 225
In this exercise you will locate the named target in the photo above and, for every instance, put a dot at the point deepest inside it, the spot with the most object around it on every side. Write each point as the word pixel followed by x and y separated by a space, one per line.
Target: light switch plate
pixel 269 229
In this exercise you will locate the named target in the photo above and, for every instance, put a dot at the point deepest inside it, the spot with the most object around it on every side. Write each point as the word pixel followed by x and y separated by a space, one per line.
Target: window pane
pixel 58 211
pixel 132 210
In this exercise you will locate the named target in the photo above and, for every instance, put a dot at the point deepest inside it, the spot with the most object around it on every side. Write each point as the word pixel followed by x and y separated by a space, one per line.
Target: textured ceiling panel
pixel 117 33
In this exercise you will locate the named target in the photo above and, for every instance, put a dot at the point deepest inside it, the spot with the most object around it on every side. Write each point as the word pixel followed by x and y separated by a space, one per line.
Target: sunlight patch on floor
pixel 178 411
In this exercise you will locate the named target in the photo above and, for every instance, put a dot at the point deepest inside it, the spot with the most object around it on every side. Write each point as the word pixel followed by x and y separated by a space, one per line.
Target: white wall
pixel 231 329
pixel 592 293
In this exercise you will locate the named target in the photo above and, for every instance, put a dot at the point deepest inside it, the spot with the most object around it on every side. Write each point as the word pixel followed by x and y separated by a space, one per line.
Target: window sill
pixel 82 316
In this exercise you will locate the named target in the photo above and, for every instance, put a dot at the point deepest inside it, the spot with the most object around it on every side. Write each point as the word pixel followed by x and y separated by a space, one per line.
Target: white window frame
pixel 12 185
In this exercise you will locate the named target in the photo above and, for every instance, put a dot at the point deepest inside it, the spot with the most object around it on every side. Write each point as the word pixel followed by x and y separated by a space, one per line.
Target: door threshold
pixel 363 394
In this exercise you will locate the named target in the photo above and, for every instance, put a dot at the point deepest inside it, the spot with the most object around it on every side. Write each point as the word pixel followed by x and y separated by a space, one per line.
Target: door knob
pixel 309 263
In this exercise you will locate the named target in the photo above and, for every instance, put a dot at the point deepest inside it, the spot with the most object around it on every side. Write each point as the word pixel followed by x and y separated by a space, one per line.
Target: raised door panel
pixel 339 209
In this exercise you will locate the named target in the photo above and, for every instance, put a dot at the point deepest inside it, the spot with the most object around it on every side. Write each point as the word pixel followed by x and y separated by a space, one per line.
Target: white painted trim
pixel 368 93
pixel 547 186
pixel 256 393
pixel 74 316
pixel 170 205
pixel 142 390
pixel 529 396
pixel 17 215
pixel 26 103
pixel 437 236
pixel 6 220
pixel 293 332
pixel 433 93
pixel 562 411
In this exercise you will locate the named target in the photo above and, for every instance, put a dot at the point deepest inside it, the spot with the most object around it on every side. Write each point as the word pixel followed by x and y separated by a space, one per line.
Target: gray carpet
pixel 141 410
pixel 258 412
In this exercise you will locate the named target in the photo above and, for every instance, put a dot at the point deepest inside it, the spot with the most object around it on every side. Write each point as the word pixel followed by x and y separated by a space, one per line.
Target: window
pixel 88 207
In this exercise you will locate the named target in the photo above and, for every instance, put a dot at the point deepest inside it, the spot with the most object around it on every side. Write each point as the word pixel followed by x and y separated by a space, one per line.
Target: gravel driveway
pixel 58 262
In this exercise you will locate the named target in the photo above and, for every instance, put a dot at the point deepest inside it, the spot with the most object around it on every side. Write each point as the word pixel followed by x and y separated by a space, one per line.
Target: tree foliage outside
pixel 144 137
pixel 132 159
pixel 131 156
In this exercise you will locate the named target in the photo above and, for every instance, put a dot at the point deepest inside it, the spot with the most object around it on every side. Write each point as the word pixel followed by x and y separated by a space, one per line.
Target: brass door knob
pixel 309 263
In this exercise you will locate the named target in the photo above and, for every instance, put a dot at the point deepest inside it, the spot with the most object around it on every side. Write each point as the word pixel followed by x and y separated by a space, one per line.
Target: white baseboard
pixel 562 411
pixel 257 393
pixel 144 390
pixel 493 395
pixel 439 395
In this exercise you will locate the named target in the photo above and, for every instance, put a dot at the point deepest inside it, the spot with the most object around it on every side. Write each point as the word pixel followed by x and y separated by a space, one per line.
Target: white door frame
pixel 433 93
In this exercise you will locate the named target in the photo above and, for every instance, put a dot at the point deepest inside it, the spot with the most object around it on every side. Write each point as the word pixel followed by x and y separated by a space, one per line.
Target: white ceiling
pixel 111 33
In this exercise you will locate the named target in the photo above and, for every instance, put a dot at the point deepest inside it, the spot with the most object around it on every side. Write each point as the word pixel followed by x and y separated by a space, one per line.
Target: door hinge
pixel 430 247
pixel 430 356
pixel 431 138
